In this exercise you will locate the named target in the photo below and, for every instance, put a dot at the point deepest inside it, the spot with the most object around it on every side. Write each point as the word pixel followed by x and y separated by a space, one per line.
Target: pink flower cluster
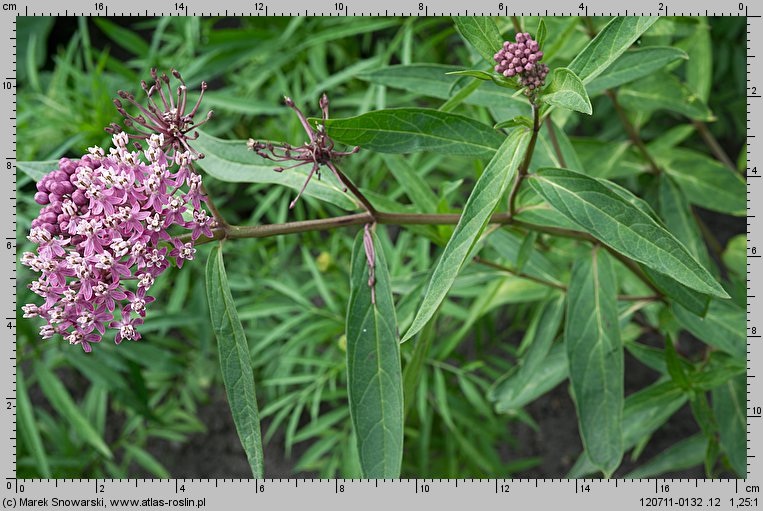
pixel 103 237
pixel 522 59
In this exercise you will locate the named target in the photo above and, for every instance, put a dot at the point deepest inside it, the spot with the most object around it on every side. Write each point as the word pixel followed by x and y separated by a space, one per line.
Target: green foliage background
pixel 467 378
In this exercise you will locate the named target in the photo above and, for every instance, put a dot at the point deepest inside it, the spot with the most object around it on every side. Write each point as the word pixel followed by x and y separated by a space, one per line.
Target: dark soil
pixel 558 442
pixel 217 452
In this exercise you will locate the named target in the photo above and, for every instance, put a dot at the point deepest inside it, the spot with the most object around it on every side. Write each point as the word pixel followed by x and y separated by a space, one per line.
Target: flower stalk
pixel 525 165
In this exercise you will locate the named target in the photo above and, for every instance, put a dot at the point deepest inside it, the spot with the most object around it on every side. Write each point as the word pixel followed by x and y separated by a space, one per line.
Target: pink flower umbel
pixel 318 151
pixel 522 59
pixel 99 237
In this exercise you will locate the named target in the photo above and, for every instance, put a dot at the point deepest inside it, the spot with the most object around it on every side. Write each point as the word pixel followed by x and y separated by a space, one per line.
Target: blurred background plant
pixel 153 407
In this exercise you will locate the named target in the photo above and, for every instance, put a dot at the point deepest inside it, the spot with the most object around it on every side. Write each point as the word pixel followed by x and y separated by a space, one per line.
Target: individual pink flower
pixel 182 252
pixel 126 328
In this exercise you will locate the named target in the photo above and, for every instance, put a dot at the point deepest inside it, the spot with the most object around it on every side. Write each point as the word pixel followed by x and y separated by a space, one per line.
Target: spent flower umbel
pixel 165 113
pixel 522 59
pixel 318 151
pixel 104 235
pixel 368 245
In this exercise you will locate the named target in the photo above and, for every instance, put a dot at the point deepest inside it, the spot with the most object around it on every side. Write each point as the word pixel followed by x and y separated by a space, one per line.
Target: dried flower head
pixel 164 114
pixel 523 60
pixel 318 151
pixel 103 237
pixel 368 245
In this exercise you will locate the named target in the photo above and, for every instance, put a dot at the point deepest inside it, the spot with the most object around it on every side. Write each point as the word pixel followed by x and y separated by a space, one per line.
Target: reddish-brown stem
pixel 555 143
pixel 562 287
pixel 353 189
pixel 517 26
pixel 713 144
pixel 632 133
pixel 522 171
pixel 324 224
pixel 210 203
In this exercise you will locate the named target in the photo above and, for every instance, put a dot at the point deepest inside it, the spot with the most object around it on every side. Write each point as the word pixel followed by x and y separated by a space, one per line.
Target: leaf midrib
pixel 647 240
pixel 424 134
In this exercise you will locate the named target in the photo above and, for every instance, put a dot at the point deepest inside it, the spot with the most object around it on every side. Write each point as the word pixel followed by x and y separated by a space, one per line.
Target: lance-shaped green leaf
pixel 439 81
pixel 595 358
pixel 644 412
pixel 482 33
pixel 635 64
pixel 706 182
pixel 235 361
pixel 717 370
pixel 488 190
pixel 664 91
pixel 675 211
pixel 509 246
pixel 542 367
pixel 615 221
pixel 730 408
pixel 567 91
pixel 541 33
pixel 415 186
pixel 693 301
pixel 29 428
pixel 473 73
pixel 409 130
pixel 37 169
pixel 416 365
pixel 232 161
pixel 608 45
pixel 63 403
pixel 735 254
pixel 699 69
pixel 520 121
pixel 723 327
pixel 687 453
pixel 512 392
pixel 374 376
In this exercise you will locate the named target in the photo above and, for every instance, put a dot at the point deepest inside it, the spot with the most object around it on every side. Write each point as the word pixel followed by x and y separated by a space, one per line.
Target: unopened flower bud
pixel 522 59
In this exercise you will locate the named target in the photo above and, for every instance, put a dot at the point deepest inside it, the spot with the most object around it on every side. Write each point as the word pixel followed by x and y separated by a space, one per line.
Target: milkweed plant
pixel 608 267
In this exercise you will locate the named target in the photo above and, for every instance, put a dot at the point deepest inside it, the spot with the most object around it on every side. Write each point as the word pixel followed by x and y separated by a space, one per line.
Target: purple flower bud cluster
pixel 102 237
pixel 523 60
